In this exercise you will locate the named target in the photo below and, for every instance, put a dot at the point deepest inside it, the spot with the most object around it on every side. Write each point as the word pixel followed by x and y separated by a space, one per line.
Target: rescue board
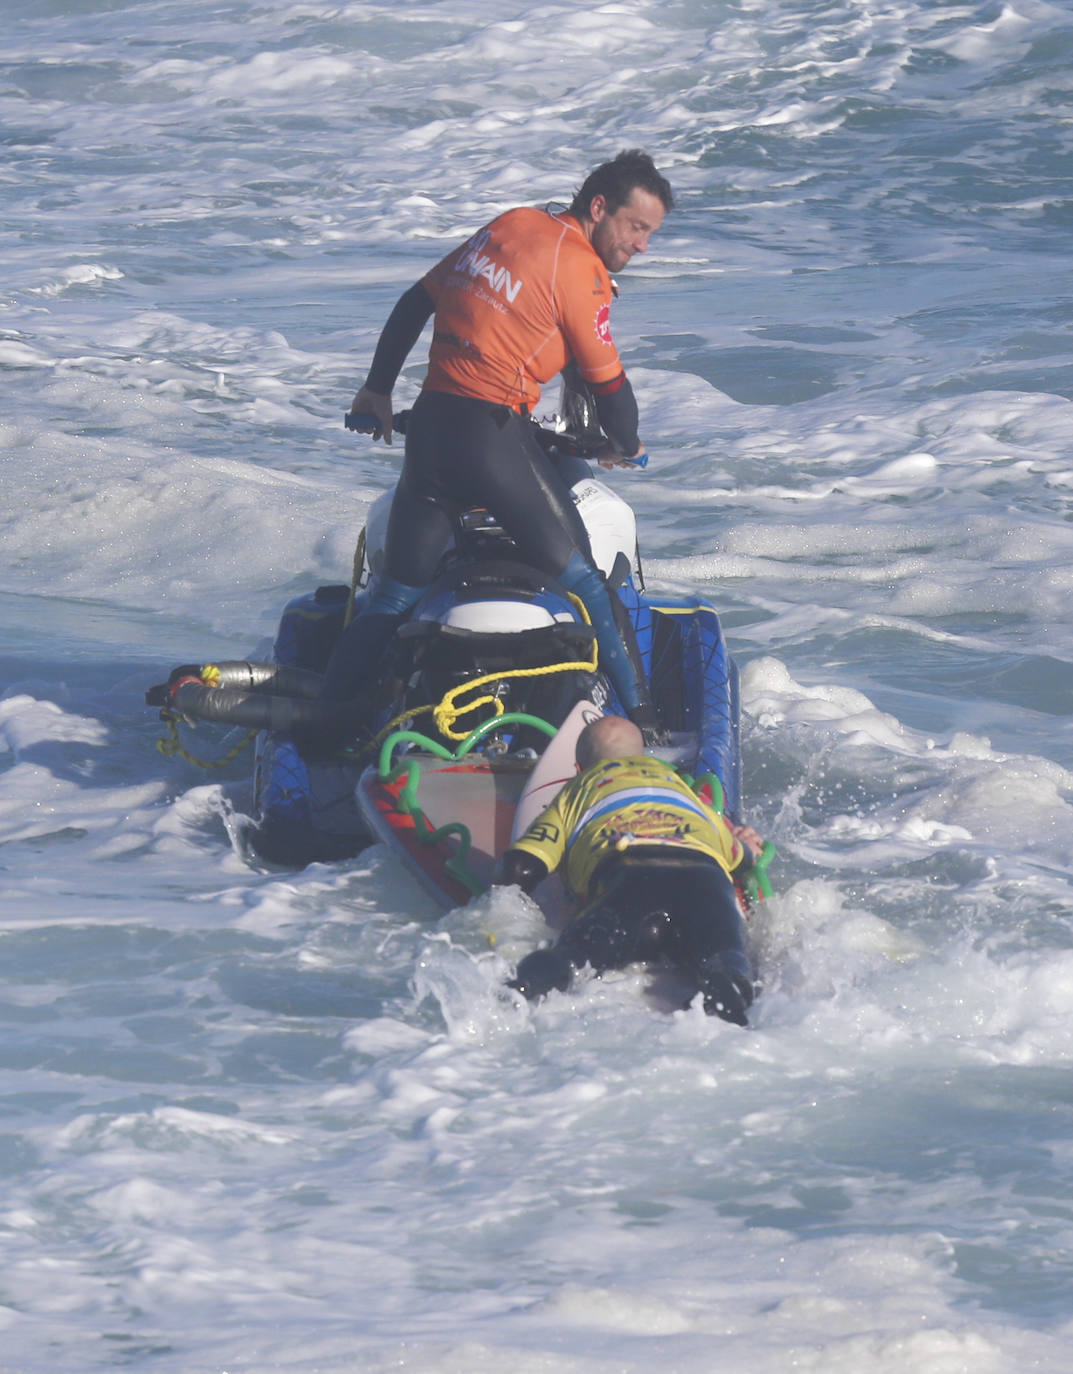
pixel 449 820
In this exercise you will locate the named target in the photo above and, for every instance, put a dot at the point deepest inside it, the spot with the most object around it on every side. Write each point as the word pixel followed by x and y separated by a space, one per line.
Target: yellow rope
pixel 386 730
pixel 355 576
pixel 173 746
pixel 446 712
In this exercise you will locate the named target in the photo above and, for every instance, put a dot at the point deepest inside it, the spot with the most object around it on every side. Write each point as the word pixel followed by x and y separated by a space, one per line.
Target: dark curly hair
pixel 617 180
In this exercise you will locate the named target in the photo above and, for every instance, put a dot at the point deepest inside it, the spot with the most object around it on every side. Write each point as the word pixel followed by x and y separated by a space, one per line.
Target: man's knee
pixel 541 972
pixel 726 984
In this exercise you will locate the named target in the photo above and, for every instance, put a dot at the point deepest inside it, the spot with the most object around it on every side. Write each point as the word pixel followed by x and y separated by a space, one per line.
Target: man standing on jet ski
pixel 513 305
pixel 650 864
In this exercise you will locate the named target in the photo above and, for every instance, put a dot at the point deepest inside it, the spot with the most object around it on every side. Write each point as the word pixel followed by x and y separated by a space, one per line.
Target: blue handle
pixel 641 461
pixel 361 421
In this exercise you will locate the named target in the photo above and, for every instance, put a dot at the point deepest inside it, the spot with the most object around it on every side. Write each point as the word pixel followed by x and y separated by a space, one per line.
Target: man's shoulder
pixel 553 226
pixel 530 216
pixel 634 767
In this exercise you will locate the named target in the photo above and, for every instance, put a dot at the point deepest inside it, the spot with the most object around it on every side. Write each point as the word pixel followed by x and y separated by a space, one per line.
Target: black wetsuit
pixel 649 906
pixel 462 452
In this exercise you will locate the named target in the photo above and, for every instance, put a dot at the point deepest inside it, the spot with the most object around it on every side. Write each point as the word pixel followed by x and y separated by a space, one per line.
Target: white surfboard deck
pixel 555 767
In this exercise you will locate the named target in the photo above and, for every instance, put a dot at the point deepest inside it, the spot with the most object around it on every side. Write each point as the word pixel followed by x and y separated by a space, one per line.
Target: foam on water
pixel 257 1119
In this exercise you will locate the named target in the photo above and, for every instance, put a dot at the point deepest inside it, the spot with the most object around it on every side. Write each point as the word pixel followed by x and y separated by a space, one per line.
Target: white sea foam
pixel 259 1119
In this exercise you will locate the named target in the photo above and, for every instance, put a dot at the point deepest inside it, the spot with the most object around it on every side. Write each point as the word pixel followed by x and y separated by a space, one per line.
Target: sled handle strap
pixel 432 746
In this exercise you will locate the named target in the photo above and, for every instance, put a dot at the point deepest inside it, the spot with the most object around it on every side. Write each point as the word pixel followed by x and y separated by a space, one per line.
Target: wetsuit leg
pixel 541 972
pixel 601 936
pixel 612 933
pixel 624 925
pixel 706 939
pixel 417 535
pixel 684 913
pixel 468 452
pixel 462 452
pixel 424 509
pixel 687 913
pixel 363 643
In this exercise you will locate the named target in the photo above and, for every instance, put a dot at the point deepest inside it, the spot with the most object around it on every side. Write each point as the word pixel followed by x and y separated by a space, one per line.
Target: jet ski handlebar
pixel 365 422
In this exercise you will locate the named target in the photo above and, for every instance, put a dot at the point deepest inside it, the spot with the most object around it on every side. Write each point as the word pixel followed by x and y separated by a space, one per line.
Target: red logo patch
pixel 603 323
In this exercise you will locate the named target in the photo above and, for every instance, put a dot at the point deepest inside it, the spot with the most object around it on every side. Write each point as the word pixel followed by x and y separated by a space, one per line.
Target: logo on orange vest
pixel 479 264
pixel 603 323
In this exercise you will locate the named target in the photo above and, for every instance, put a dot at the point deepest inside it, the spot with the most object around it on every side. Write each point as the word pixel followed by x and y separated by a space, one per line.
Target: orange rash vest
pixel 514 304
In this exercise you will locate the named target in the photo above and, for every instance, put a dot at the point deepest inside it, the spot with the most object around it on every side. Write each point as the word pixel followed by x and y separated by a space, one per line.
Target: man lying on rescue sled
pixel 651 864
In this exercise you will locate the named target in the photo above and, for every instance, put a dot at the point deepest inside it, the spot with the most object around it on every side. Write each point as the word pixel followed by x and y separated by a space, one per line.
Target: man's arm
pixel 616 409
pixel 398 336
pixel 538 852
pixel 518 866
pixel 751 841
pixel 583 311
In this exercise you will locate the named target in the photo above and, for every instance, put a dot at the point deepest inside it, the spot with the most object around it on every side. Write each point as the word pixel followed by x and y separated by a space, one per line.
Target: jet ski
pixel 476 704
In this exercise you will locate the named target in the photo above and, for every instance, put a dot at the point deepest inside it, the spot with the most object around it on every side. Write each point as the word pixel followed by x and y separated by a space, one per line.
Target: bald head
pixel 610 737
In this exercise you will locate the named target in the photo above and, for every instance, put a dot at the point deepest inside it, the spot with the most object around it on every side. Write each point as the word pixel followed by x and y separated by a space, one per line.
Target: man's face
pixel 617 237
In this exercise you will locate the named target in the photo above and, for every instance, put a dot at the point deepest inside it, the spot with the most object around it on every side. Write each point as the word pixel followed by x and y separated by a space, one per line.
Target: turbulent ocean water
pixel 263 1120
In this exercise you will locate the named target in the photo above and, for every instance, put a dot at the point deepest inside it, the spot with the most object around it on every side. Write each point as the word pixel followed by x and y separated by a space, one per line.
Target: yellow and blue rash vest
pixel 619 803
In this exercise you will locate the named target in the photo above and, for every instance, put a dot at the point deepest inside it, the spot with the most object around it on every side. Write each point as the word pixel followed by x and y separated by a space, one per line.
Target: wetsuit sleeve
pixel 400 333
pixel 616 407
pixel 519 867
pixel 546 837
